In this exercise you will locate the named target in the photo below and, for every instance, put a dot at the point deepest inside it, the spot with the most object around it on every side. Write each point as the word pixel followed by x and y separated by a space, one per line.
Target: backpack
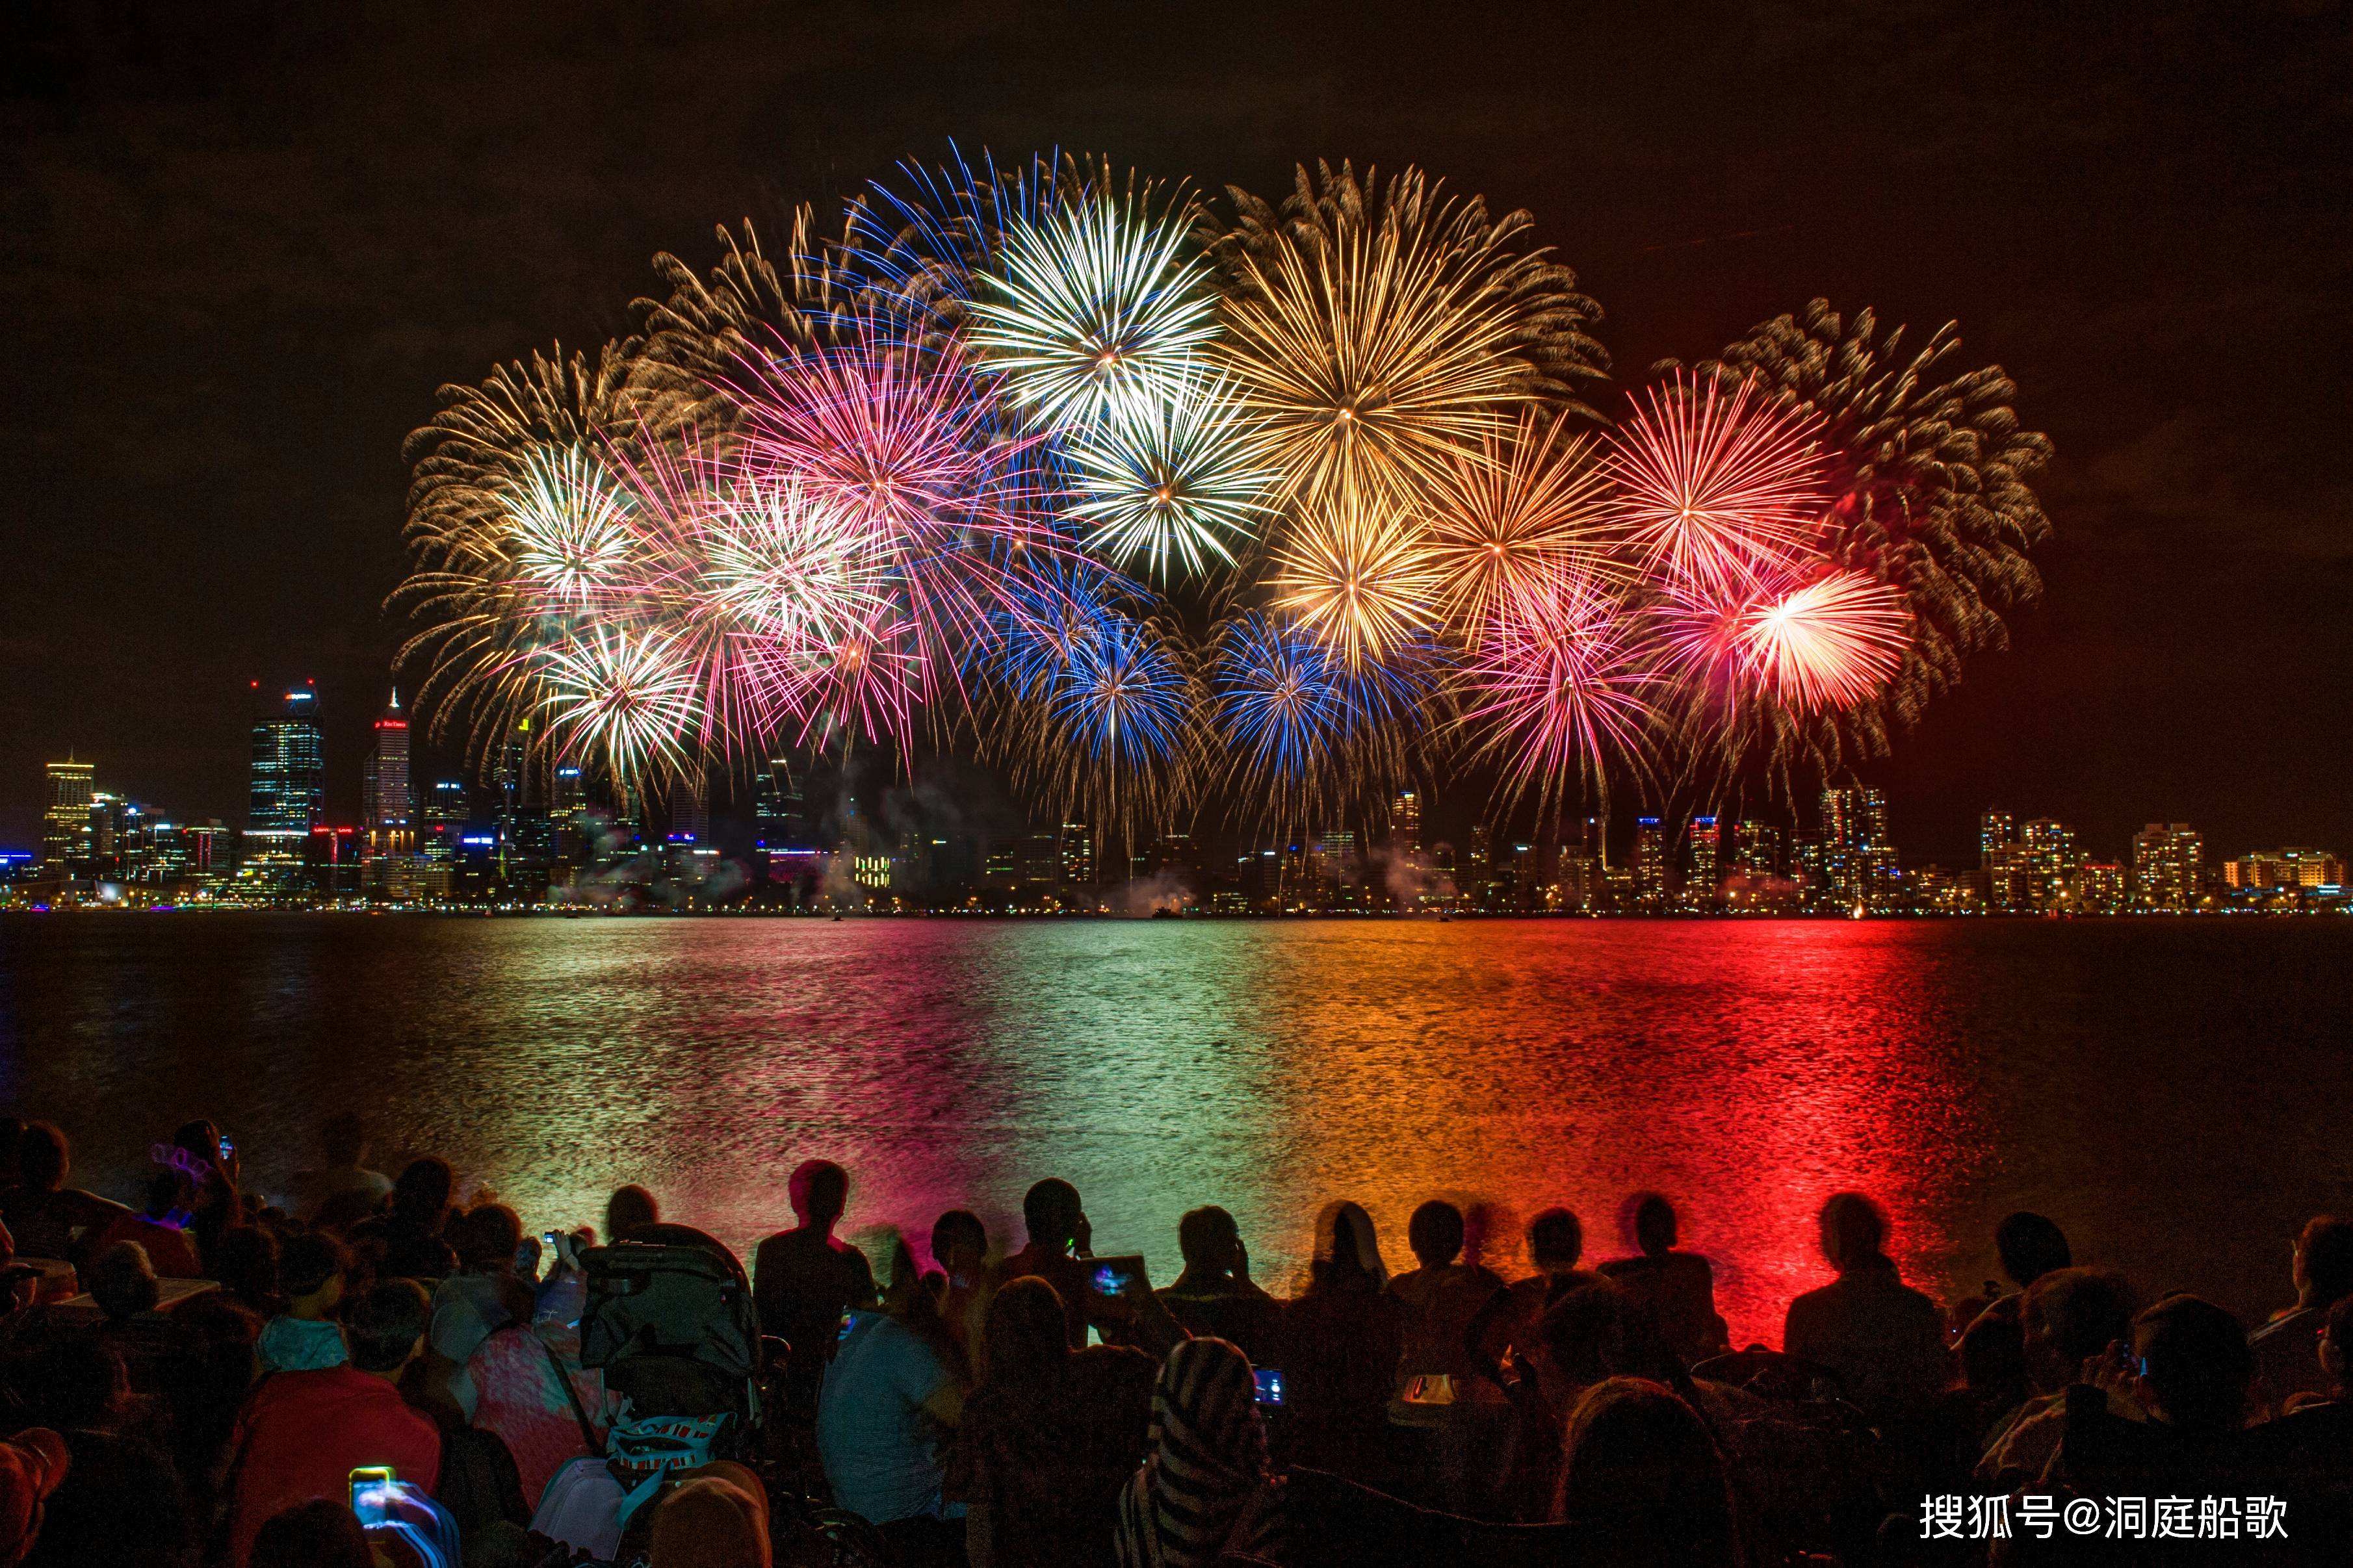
pixel 668 1319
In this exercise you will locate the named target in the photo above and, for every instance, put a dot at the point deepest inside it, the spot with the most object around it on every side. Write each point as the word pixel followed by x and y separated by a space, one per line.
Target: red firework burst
pixel 1716 493
pixel 1829 644
pixel 1561 685
pixel 906 449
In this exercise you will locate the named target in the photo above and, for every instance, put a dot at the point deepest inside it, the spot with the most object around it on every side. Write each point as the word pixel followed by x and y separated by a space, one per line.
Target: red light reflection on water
pixel 1508 1066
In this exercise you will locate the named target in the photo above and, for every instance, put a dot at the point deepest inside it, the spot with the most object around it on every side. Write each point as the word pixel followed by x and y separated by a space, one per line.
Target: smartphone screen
pixel 227 1147
pixel 368 1484
pixel 1113 1275
pixel 1270 1386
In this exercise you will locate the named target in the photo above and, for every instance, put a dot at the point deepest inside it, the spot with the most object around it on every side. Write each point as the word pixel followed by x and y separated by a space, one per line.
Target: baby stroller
pixel 668 1319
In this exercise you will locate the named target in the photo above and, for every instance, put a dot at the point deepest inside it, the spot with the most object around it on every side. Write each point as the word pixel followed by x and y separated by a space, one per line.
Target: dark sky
pixel 243 243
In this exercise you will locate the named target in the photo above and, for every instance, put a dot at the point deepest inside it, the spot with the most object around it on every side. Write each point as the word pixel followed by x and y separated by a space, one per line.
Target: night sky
pixel 242 244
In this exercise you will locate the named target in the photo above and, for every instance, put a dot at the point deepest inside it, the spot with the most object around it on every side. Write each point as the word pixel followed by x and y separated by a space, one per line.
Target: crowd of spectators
pixel 192 1380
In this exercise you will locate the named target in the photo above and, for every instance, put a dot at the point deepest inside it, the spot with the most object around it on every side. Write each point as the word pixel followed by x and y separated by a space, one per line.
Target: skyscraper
pixel 1707 862
pixel 1649 864
pixel 289 776
pixel 65 821
pixel 1757 850
pixel 1405 820
pixel 2168 868
pixel 384 797
pixel 2053 864
pixel 1078 849
pixel 2001 861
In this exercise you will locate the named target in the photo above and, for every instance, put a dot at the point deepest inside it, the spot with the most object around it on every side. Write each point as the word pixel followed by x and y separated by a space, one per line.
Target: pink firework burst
pixel 1829 644
pixel 1715 491
pixel 1561 685
pixel 905 449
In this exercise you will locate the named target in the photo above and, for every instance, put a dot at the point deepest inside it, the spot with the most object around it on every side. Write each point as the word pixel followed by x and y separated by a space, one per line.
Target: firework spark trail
pixel 1716 493
pixel 1096 315
pixel 1169 481
pixel 1515 516
pixel 1562 690
pixel 569 527
pixel 904 448
pixel 1280 712
pixel 1359 576
pixel 1366 364
pixel 1833 643
pixel 623 697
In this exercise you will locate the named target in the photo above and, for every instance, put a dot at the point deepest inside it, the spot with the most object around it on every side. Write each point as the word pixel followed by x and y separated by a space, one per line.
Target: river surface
pixel 2178 1094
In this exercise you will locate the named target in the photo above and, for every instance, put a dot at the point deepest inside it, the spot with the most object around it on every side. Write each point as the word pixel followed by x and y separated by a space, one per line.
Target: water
pixel 2178 1094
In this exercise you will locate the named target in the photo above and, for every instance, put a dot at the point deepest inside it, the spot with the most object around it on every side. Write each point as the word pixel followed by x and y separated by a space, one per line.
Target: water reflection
pixel 1744 1071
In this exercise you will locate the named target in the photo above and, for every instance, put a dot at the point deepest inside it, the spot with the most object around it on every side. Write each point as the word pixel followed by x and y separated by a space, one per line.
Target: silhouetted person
pixel 320 1533
pixel 1884 1340
pixel 804 1279
pixel 1440 1389
pixel 47 1217
pixel 960 1251
pixel 159 1227
pixel 1504 1330
pixel 1049 1436
pixel 1343 1336
pixel 2187 1373
pixel 219 1205
pixel 483 1296
pixel 303 1433
pixel 1643 1482
pixel 312 1270
pixel 1679 1287
pixel 890 1400
pixel 1215 1295
pixel 1204 1490
pixel 1052 1216
pixel 2070 1318
pixel 122 1282
pixel 343 1190
pixel 629 1208
pixel 409 1237
pixel 2287 1349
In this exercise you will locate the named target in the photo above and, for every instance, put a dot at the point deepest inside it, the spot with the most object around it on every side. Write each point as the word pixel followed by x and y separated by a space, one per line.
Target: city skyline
pixel 524 829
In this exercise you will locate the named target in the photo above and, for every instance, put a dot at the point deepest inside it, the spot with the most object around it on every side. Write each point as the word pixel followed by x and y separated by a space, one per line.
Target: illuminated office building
pixel 1707 862
pixel 65 820
pixel 385 800
pixel 2050 863
pixel 289 788
pixel 1649 864
pixel 1405 820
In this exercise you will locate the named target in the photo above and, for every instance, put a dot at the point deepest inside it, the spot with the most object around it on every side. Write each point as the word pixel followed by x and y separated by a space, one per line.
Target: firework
pixel 1929 477
pixel 1832 643
pixel 1370 340
pixel 1717 490
pixel 1562 690
pixel 1096 315
pixel 901 449
pixel 1359 576
pixel 936 468
pixel 515 528
pixel 1282 714
pixel 1169 481
pixel 1516 518
pixel 568 527
pixel 622 698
